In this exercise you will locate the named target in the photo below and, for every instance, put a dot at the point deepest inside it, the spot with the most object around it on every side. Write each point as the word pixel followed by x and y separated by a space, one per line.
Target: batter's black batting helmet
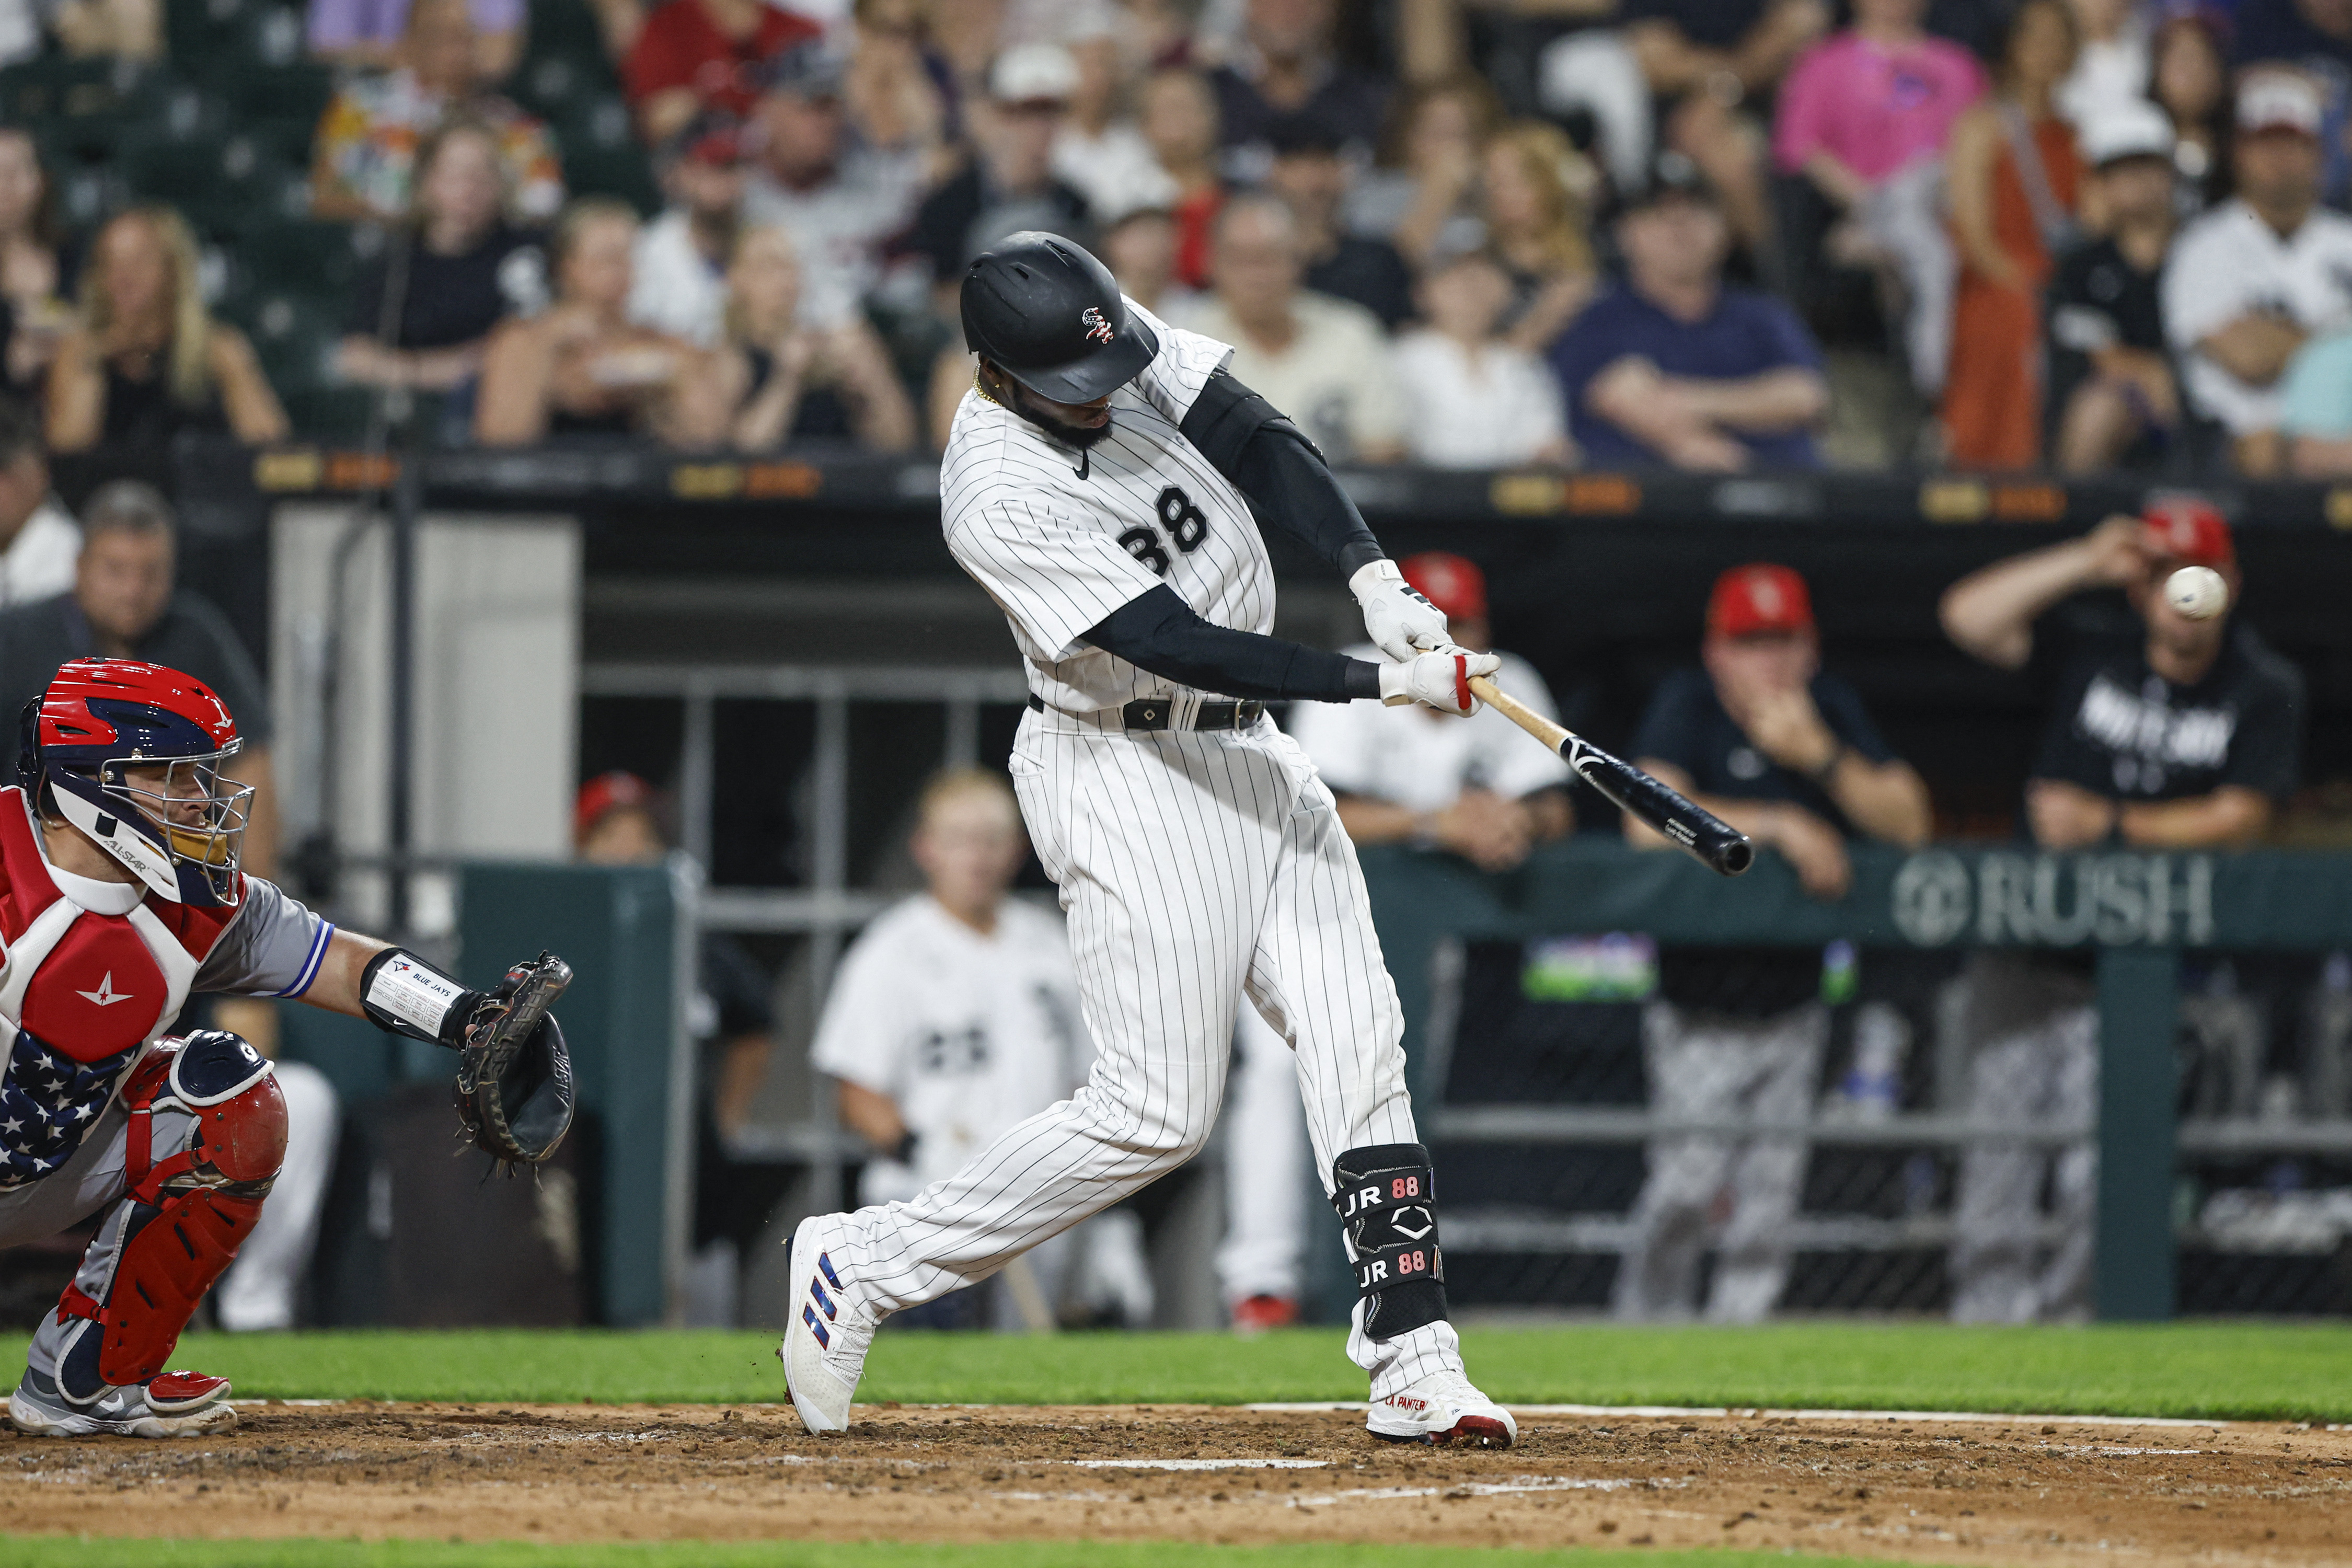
pixel 1050 316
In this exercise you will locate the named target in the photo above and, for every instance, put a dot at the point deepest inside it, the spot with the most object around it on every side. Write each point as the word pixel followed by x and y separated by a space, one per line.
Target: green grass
pixel 44 1552
pixel 2300 1370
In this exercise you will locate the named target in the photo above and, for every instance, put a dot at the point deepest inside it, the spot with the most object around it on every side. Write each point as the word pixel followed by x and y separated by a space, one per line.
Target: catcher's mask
pixel 131 754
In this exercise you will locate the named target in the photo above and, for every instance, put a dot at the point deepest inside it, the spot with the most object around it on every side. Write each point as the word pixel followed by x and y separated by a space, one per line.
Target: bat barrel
pixel 1685 823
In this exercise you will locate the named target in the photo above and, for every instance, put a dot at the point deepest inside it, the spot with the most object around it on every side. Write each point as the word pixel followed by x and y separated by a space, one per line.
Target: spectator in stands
pixel 2315 33
pixel 32 315
pixel 1308 174
pixel 1422 191
pixel 1787 753
pixel 2189 80
pixel 1323 362
pixel 1472 399
pixel 2111 380
pixel 2012 175
pixel 461 269
pixel 1180 120
pixel 123 604
pixel 1010 184
pixel 1673 368
pixel 683 254
pixel 147 360
pixel 787 380
pixel 2252 280
pixel 1140 248
pixel 39 540
pixel 2316 408
pixel 1533 197
pixel 366 151
pixel 839 199
pixel 2112 62
pixel 1864 117
pixel 696 55
pixel 579 367
pixel 1705 59
pixel 108 29
pixel 2163 734
pixel 1289 64
pixel 896 90
pixel 365 35
pixel 1101 152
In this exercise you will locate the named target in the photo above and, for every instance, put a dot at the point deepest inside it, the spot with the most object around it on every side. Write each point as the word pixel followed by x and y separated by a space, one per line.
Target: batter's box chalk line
pixel 1753 1413
pixel 1200 1464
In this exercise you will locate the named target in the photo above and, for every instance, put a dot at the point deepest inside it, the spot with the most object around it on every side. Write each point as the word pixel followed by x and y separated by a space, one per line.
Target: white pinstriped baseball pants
pixel 1195 867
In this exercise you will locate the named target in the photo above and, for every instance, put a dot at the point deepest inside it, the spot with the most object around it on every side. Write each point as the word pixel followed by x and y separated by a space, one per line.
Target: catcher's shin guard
pixel 1387 1198
pixel 181 1223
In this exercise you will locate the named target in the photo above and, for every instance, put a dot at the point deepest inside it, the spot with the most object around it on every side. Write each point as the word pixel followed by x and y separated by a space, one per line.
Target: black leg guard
pixel 1387 1198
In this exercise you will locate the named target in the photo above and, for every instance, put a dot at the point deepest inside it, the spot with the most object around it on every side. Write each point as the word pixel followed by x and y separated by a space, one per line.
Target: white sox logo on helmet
pixel 1097 330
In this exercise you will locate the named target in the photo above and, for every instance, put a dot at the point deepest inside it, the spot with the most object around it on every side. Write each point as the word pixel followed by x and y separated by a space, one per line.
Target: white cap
pixel 2133 129
pixel 2279 101
pixel 1030 73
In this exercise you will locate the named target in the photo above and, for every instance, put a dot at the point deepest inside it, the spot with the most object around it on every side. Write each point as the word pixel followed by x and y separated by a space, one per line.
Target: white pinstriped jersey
pixel 1061 536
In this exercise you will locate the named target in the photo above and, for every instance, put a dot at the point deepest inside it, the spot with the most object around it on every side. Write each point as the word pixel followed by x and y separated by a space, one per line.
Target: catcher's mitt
pixel 514 1088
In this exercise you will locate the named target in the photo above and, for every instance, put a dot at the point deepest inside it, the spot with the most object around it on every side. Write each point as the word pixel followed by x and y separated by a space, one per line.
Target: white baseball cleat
pixel 1444 1407
pixel 826 1334
pixel 174 1405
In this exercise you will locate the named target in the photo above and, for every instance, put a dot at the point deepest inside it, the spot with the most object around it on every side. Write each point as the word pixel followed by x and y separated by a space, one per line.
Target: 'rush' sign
pixel 2055 900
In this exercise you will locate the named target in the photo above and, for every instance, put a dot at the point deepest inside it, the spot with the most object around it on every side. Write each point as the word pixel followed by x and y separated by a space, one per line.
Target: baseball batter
pixel 1105 482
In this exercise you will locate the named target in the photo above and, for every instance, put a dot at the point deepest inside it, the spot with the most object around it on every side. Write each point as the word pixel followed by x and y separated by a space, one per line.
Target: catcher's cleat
pixel 174 1404
pixel 826 1330
pixel 1444 1407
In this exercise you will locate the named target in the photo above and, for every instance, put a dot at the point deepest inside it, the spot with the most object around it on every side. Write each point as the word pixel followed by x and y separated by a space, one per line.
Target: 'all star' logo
pixel 106 995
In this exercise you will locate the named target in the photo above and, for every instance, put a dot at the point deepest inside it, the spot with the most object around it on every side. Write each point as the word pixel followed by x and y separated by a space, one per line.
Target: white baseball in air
pixel 2197 592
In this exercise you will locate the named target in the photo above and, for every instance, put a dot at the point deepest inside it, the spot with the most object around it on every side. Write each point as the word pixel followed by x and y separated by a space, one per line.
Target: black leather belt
pixel 1154 713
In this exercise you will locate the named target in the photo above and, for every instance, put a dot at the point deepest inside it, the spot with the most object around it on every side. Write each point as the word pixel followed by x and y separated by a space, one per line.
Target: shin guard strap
pixel 1386 1196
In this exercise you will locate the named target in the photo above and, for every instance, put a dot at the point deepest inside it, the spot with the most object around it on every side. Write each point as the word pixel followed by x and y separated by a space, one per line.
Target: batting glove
pixel 1398 620
pixel 1441 679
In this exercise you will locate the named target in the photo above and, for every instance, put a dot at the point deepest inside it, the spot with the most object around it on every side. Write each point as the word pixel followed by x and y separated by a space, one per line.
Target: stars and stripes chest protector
pixel 82 990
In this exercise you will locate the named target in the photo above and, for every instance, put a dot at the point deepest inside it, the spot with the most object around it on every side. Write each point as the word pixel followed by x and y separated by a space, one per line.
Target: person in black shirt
pixel 1288 65
pixel 1787 754
pixel 1309 174
pixel 457 269
pixel 1010 184
pixel 1712 64
pixel 2112 393
pixel 2163 732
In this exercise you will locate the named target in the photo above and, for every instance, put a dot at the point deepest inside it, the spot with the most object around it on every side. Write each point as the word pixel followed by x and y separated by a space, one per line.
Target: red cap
pixel 1758 598
pixel 2192 531
pixel 1453 584
pixel 602 795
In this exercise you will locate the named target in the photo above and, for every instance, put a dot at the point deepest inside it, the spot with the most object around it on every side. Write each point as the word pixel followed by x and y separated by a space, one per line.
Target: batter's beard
pixel 1017 398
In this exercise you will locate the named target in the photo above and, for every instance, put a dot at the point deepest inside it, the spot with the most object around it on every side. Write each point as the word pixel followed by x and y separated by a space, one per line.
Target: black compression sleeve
pixel 1160 632
pixel 1272 462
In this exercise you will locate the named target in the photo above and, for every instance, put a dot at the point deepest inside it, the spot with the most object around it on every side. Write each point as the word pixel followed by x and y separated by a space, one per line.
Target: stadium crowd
pixel 1707 234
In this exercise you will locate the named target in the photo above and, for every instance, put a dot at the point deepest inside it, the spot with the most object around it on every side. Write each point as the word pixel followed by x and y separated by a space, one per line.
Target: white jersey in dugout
pixel 969 1034
pixel 1061 536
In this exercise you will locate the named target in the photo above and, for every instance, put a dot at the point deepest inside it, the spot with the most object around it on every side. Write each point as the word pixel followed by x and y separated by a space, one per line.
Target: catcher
pixel 120 895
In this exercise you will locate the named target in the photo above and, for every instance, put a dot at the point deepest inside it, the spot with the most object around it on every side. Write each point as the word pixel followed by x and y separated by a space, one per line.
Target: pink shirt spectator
pixel 1872 108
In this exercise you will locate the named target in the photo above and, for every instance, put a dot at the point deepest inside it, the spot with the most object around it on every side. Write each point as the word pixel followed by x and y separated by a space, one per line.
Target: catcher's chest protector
pixel 82 991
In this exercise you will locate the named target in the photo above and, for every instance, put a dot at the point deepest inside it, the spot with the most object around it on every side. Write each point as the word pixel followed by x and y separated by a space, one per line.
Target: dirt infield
pixel 1924 1490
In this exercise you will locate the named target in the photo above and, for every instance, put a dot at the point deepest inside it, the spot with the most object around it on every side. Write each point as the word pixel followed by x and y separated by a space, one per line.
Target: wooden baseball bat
pixel 1709 839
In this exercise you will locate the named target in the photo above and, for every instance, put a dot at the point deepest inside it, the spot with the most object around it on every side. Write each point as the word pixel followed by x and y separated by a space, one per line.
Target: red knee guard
pixel 190 1211
pixel 171 1259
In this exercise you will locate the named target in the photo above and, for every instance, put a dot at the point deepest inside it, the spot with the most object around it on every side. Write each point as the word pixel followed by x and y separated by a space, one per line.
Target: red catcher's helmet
pixel 130 753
